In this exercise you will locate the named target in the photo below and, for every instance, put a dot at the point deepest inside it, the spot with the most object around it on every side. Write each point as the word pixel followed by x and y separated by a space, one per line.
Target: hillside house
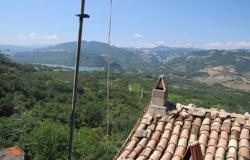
pixel 12 153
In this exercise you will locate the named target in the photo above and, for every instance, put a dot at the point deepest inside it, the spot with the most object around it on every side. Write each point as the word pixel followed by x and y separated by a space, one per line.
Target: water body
pixel 73 67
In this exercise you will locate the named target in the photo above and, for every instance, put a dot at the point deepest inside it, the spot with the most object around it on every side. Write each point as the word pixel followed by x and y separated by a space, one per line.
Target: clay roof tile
pixel 244 143
pixel 244 133
pixel 220 153
pixel 156 155
pixel 209 156
pixel 222 143
pixel 211 150
pixel 232 153
pixel 180 151
pixel 160 126
pixel 183 142
pixel 15 150
pixel 166 134
pixel 166 156
pixel 162 144
pixel 221 135
pixel 192 138
pixel 233 143
pixel 235 134
pixel 244 152
pixel 184 133
pixel 156 135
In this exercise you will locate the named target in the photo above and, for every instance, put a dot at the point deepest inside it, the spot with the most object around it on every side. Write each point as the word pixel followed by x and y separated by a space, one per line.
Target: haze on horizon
pixel 206 24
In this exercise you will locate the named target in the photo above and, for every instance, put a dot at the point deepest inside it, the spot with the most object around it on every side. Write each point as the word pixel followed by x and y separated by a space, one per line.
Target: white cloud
pixel 228 45
pixel 160 43
pixel 143 45
pixel 34 37
pixel 147 44
pixel 244 44
pixel 51 37
pixel 214 44
pixel 137 35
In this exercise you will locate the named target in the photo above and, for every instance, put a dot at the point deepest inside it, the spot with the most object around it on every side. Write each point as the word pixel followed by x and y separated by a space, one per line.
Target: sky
pixel 221 24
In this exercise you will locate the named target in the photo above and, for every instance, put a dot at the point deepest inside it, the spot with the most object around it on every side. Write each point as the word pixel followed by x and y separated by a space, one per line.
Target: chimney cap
pixel 160 92
pixel 161 83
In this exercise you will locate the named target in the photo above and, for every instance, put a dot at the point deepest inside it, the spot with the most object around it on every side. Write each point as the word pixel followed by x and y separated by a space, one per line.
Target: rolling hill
pixel 229 68
pixel 95 54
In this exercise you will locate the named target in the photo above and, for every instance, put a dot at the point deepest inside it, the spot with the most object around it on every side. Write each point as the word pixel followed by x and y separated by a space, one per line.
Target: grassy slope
pixel 227 68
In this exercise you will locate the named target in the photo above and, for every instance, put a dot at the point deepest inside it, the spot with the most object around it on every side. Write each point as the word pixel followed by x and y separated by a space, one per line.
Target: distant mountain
pixel 173 51
pixel 230 68
pixel 14 48
pixel 163 53
pixel 95 54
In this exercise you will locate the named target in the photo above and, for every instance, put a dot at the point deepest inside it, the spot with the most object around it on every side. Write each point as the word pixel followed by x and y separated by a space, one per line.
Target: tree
pixel 49 141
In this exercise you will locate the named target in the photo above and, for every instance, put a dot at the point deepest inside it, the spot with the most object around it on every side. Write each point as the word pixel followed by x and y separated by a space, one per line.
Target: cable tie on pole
pixel 82 15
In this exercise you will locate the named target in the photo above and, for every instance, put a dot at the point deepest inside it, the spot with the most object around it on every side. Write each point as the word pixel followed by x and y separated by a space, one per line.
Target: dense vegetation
pixel 35 104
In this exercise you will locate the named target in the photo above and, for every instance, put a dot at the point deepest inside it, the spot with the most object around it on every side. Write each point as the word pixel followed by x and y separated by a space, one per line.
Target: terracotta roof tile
pixel 244 152
pixel 156 155
pixel 184 133
pixel 171 148
pixel 180 150
pixel 143 142
pixel 232 153
pixel 15 150
pixel 244 133
pixel 220 153
pixel 211 150
pixel 167 156
pixel 221 135
pixel 162 145
pixel 209 156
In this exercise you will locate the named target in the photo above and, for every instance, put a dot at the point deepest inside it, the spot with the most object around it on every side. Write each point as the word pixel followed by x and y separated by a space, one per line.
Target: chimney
pixel 160 92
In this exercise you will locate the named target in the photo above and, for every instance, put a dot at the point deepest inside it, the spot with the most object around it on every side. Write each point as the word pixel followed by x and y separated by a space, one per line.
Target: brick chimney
pixel 160 92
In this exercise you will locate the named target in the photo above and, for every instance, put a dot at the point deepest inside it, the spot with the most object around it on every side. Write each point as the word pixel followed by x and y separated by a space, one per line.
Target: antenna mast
pixel 72 123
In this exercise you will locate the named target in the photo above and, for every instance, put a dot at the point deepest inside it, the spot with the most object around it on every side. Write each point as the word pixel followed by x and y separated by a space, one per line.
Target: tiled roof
pixel 15 150
pixel 164 133
pixel 12 153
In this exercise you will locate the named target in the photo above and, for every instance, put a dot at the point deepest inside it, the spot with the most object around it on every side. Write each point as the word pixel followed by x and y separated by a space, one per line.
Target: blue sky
pixel 136 23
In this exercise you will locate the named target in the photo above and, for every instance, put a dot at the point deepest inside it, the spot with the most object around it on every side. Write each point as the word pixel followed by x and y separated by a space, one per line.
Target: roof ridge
pixel 222 113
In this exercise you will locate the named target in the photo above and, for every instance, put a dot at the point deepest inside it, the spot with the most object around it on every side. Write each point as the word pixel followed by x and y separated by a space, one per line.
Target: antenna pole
pixel 78 51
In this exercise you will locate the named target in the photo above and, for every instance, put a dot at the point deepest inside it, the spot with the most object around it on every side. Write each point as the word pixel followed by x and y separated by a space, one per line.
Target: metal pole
pixel 72 123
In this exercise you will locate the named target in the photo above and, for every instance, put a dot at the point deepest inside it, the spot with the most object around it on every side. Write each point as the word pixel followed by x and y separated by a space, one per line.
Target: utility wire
pixel 108 69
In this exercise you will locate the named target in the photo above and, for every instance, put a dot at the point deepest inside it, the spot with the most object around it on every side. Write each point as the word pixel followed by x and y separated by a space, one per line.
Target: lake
pixel 73 67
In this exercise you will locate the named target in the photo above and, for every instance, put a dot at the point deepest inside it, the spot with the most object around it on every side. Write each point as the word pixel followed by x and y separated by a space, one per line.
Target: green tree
pixel 47 142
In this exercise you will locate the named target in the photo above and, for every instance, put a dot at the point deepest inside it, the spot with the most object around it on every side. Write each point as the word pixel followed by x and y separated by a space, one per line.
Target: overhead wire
pixel 108 69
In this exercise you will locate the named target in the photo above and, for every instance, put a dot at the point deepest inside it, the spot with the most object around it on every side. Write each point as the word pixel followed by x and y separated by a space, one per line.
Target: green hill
pixel 94 54
pixel 35 104
pixel 227 68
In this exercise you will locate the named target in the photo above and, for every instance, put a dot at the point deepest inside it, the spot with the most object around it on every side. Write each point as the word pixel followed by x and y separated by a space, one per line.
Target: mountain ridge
pixel 94 54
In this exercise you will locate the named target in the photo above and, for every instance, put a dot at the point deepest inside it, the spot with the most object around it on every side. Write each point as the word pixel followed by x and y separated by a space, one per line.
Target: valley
pixel 228 68
pixel 36 101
